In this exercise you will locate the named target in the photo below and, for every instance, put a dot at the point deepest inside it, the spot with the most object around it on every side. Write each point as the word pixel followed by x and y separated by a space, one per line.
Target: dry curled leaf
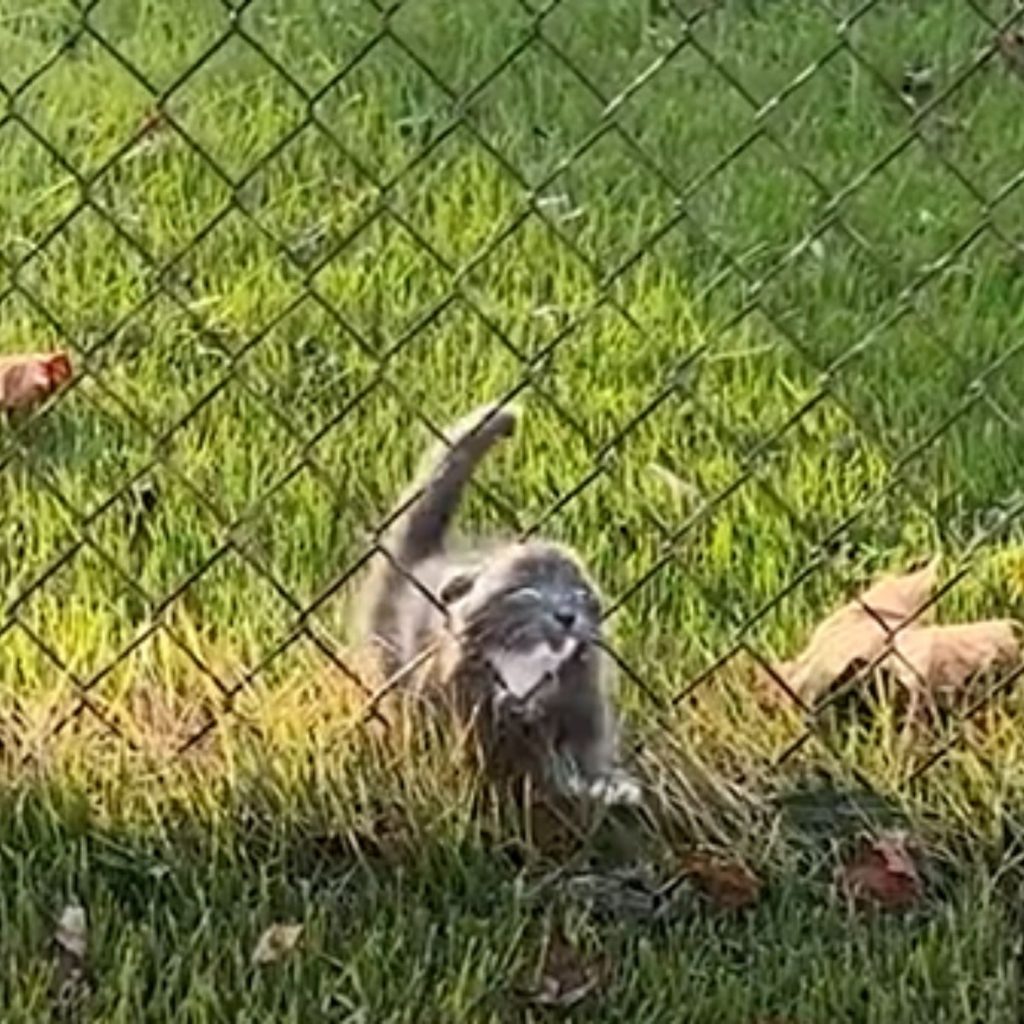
pixel 566 977
pixel 276 943
pixel 857 632
pixel 883 873
pixel 72 936
pixel 70 980
pixel 944 658
pixel 728 884
pixel 27 379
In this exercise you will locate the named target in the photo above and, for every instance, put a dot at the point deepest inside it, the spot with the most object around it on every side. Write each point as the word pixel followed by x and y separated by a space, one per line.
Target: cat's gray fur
pixel 517 628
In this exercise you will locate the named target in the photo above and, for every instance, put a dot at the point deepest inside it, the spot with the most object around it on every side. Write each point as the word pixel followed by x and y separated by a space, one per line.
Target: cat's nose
pixel 565 619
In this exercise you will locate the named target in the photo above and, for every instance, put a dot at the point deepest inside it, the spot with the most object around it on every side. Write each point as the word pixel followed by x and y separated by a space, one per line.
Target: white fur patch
pixel 522 671
pixel 622 790
pixel 617 788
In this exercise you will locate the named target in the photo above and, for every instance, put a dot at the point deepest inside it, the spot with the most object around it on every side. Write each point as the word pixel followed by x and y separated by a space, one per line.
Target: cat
pixel 514 629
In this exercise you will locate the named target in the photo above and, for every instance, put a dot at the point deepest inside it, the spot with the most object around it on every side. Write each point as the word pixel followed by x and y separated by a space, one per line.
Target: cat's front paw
pixel 617 790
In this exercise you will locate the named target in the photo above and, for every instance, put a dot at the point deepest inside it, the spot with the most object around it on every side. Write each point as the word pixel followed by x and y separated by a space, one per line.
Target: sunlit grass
pixel 340 261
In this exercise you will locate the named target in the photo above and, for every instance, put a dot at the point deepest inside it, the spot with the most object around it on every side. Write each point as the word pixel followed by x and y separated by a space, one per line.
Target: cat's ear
pixel 456 587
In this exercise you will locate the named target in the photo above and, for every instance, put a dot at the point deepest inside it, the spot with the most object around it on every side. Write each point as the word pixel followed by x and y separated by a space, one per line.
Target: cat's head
pixel 529 608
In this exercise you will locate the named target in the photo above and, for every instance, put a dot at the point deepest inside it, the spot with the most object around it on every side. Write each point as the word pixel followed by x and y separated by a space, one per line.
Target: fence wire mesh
pixel 753 268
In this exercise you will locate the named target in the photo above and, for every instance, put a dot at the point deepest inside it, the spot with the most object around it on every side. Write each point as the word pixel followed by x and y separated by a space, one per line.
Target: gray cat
pixel 516 627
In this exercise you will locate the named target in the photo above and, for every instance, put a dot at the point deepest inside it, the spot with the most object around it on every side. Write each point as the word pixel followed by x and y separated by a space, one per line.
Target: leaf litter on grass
pixel 887 627
pixel 882 873
pixel 276 942
pixel 726 883
pixel 72 946
pixel 566 975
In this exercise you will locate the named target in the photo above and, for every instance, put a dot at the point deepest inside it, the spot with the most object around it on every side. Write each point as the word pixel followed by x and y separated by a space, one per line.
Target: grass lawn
pixel 760 285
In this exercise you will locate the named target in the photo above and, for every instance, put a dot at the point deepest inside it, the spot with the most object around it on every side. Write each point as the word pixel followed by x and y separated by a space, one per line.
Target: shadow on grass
pixel 418 904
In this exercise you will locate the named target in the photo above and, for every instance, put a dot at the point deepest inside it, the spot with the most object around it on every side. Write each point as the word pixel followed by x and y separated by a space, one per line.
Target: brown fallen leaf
pixel 276 943
pixel 566 978
pixel 883 873
pixel 728 884
pixel 858 631
pixel 27 379
pixel 943 659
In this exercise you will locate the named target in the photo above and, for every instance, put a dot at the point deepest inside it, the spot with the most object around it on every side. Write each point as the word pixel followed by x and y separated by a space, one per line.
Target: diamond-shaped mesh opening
pixel 457 347
pixel 611 45
pixel 310 196
pixel 910 214
pixel 930 357
pixel 160 363
pixel 85 613
pixel 158 696
pixel 459 197
pixel 35 191
pixel 934 50
pixel 159 530
pixel 535 112
pixel 834 124
pixel 680 282
pixel 408 108
pixel 305 531
pixel 308 367
pixel 747 63
pixel 237 107
pixel 87 447
pixel 829 294
pixel 89 275
pixel 388 428
pixel 426 30
pixel 162 191
pixel 234 280
pixel 759 221
pixel 620 364
pixel 607 201
pixel 723 714
pixel 33 36
pixel 232 592
pixel 130 29
pixel 532 284
pixel 685 117
pixel 109 103
pixel 972 466
pixel 205 449
pixel 983 109
pixel 312 42
pixel 384 282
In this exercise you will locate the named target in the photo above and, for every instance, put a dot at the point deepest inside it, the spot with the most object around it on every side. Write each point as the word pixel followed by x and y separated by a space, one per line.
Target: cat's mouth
pixel 522 671
pixel 559 643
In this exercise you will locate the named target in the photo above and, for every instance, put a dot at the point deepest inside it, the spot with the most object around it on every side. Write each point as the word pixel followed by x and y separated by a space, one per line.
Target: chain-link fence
pixel 753 269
